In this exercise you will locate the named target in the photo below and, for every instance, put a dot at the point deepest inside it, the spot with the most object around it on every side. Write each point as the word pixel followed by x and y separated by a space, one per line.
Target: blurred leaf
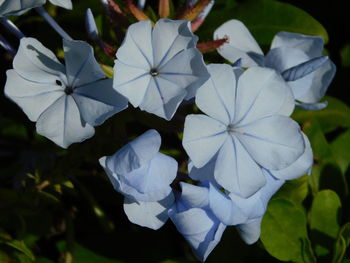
pixel 265 18
pixel 345 55
pixel 307 252
pixel 341 150
pixel 107 70
pixel 84 255
pixel 336 114
pixel 283 230
pixel 20 246
pixel 324 213
pixel 343 241
pixel 294 190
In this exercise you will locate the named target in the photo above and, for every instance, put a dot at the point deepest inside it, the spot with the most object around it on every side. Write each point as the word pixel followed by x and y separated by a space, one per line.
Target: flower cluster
pixel 241 149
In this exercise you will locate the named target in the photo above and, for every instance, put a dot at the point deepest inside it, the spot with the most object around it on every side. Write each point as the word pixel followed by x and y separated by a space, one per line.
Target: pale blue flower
pixel 287 50
pixel 193 218
pixel 18 7
pixel 157 68
pixel 143 176
pixel 65 101
pixel 247 127
pixel 246 213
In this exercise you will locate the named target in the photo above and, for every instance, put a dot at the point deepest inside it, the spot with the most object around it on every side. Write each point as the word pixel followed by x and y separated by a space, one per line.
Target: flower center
pixel 68 90
pixel 230 128
pixel 154 72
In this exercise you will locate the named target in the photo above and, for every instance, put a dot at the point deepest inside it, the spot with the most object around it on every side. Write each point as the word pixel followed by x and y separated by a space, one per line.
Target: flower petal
pixel 261 92
pixel 36 63
pixel 187 70
pixel 311 45
pixel 284 58
pixel 202 231
pixel 162 98
pixel 241 44
pixel 193 196
pixel 63 3
pixel 131 82
pixel 152 181
pixel 148 214
pixel 135 154
pixel 203 174
pixel 169 37
pixel 61 123
pixel 217 96
pixel 137 49
pixel 202 138
pixel 34 98
pixel 273 142
pixel 323 77
pixel 224 209
pixel 236 171
pixel 18 7
pixel 300 167
pixel 81 65
pixel 98 101
pixel 250 231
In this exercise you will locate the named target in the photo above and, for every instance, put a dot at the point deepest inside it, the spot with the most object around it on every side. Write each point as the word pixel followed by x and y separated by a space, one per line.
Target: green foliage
pixel 283 231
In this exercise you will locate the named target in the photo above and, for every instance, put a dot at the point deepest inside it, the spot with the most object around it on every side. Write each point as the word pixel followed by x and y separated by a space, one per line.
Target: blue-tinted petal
pixel 303 69
pixel 194 196
pixel 132 82
pixel 203 174
pixel 284 58
pixel 273 142
pixel 201 230
pixel 169 37
pixel 236 171
pixel 98 101
pixel 61 123
pixel 261 92
pixel 135 154
pixel 241 44
pixel 148 214
pixel 311 45
pixel 224 209
pixel 33 97
pixel 187 70
pixel 18 7
pixel 217 96
pixel 250 231
pixel 90 25
pixel 162 97
pixel 300 167
pixel 81 65
pixel 202 138
pixel 137 49
pixel 63 3
pixel 312 106
pixel 36 63
pixel 323 77
pixel 150 182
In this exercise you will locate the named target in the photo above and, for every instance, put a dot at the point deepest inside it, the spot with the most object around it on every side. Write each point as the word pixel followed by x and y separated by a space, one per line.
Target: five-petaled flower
pixel 247 127
pixel 64 101
pixel 157 68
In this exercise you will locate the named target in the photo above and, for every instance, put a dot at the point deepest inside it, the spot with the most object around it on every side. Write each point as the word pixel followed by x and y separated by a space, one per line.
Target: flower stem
pixel 7 46
pixel 41 11
pixel 11 27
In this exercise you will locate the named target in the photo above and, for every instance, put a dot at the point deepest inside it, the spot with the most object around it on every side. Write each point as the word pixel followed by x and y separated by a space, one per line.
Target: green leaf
pixel 341 150
pixel 343 241
pixel 265 18
pixel 336 114
pixel 283 230
pixel 345 55
pixel 294 190
pixel 84 255
pixel 324 213
pixel 21 246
